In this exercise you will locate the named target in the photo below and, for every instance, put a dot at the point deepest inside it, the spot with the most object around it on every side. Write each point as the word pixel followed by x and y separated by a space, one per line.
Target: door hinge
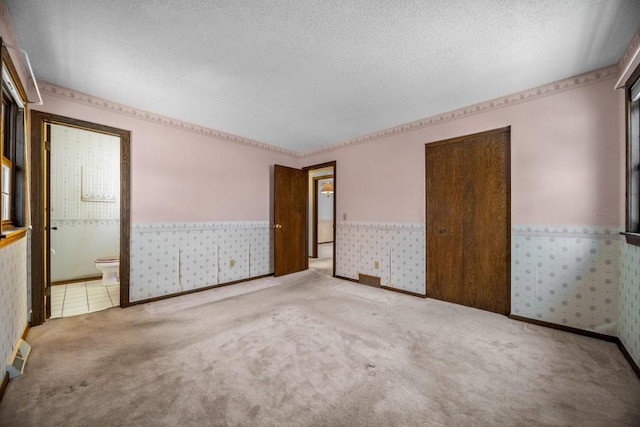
pixel 47 146
pixel 47 291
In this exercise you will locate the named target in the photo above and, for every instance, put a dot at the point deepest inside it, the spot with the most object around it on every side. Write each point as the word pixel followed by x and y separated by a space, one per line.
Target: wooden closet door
pixel 444 224
pixel 468 220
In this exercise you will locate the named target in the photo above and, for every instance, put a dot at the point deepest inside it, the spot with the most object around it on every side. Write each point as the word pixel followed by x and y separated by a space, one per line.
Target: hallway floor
pixel 324 262
pixel 81 298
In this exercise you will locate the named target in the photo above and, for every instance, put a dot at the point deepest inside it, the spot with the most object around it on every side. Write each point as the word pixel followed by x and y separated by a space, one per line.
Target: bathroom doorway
pixel 321 220
pixel 84 209
pixel 84 218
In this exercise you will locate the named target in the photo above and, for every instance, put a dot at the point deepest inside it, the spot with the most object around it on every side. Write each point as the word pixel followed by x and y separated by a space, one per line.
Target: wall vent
pixel 365 279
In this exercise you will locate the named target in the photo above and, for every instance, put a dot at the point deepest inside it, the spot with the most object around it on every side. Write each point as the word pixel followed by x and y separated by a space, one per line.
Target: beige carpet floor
pixel 322 265
pixel 310 350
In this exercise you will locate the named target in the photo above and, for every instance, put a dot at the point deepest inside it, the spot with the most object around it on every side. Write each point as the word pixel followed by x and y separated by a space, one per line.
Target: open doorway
pixel 81 204
pixel 84 209
pixel 321 219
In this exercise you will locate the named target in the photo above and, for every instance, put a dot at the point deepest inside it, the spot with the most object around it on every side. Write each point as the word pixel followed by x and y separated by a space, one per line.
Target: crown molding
pixel 483 107
pixel 632 48
pixel 629 60
pixel 114 107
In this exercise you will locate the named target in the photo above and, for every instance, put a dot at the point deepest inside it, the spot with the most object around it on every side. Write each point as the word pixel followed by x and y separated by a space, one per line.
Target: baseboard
pixel 192 291
pixel 348 279
pixel 387 288
pixel 627 356
pixel 564 328
pixel 596 335
pixel 402 291
pixel 3 385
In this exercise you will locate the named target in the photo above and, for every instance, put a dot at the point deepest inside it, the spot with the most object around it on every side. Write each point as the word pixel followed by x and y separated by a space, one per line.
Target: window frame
pixel 632 173
pixel 8 152
pixel 13 127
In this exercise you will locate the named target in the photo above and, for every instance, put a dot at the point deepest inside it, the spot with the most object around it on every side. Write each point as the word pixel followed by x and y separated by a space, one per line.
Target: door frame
pixel 39 192
pixel 314 216
pixel 307 169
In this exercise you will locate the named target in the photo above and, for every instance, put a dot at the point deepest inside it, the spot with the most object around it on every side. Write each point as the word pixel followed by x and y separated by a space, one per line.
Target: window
pixel 12 151
pixel 633 163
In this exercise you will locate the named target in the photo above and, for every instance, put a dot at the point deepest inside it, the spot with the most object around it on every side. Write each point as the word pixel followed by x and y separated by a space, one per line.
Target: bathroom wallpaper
pixel 13 297
pixel 629 300
pixel 397 248
pixel 168 258
pixel 85 175
pixel 85 205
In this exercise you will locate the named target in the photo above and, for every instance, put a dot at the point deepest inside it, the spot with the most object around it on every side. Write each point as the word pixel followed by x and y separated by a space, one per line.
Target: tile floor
pixel 82 298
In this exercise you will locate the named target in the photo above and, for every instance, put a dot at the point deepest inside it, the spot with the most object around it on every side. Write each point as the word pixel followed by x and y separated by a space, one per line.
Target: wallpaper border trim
pixel 382 226
pixel 83 222
pixel 628 58
pixel 197 226
pixel 114 107
pixel 573 231
pixel 569 83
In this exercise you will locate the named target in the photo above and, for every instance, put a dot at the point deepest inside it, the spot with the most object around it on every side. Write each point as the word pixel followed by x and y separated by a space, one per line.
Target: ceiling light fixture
pixel 327 188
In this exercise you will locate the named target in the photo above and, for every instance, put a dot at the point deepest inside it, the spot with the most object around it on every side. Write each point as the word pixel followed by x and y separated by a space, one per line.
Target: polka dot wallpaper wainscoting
pixel 395 252
pixel 169 258
pixel 629 300
pixel 13 297
pixel 566 275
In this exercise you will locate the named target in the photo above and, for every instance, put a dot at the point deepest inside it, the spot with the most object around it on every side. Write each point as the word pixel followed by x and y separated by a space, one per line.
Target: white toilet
pixel 110 267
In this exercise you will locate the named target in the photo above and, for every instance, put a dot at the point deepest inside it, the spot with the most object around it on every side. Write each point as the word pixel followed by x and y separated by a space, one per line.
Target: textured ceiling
pixel 305 74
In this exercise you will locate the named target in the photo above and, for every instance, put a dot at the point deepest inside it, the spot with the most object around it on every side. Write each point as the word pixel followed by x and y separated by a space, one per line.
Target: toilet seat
pixel 107 259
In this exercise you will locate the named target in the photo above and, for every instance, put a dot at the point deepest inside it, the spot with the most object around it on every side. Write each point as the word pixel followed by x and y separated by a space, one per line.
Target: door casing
pixel 40 279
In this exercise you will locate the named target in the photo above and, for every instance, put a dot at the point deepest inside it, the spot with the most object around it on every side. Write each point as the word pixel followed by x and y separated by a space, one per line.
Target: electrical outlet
pixel 376 265
pixel 232 263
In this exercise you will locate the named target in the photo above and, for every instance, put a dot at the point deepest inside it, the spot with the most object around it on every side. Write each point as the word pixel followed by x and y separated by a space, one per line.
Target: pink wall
pixel 183 176
pixel 565 162
pixel 565 150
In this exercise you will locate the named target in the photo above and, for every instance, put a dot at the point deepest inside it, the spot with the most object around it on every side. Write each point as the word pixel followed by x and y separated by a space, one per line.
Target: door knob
pixel 52 228
pixel 277 226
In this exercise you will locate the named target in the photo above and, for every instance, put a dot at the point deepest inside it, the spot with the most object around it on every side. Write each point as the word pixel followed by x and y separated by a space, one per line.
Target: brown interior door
pixel 290 220
pixel 468 258
pixel 444 189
